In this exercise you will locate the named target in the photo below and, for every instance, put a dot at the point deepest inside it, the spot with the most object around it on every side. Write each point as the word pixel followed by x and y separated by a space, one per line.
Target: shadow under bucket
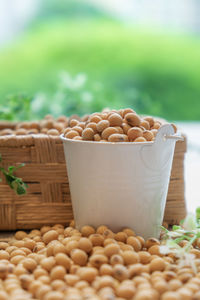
pixel 121 184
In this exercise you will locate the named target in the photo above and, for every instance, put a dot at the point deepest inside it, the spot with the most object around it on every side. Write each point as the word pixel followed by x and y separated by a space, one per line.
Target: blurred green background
pixel 74 57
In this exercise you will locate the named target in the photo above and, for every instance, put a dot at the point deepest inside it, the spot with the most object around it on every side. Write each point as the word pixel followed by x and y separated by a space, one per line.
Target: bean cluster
pixel 114 126
pixel 48 125
pixel 109 126
pixel 57 263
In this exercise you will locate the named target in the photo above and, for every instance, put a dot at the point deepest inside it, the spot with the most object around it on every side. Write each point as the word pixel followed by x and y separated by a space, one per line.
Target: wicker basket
pixel 48 197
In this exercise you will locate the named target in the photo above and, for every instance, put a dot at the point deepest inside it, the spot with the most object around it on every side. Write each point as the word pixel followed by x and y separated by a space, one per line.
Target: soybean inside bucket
pixel 121 184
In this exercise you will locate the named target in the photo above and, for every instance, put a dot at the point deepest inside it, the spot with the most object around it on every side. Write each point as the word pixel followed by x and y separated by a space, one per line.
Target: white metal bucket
pixel 121 184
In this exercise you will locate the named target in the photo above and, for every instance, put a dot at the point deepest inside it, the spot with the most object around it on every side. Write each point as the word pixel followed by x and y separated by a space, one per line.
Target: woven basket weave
pixel 48 197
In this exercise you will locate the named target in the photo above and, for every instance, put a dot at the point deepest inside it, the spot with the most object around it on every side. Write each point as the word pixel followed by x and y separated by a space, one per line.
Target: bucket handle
pixel 157 156
pixel 174 137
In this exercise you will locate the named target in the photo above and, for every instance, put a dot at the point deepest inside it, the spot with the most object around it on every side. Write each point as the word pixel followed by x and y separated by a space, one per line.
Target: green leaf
pixel 11 169
pixel 183 237
pixel 175 227
pixel 9 178
pixel 164 229
pixel 13 181
pixel 13 184
pixel 187 247
pixel 21 189
pixel 20 166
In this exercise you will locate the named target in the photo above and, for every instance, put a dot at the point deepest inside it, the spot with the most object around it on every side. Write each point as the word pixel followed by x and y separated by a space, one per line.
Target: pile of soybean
pixel 57 263
pixel 49 125
pixel 124 125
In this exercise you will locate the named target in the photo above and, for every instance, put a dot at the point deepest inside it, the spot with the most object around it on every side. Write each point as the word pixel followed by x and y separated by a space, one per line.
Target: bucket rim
pixel 106 143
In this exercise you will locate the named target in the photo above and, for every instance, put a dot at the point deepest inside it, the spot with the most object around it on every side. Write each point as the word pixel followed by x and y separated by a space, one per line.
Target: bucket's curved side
pixel 110 184
pixel 158 160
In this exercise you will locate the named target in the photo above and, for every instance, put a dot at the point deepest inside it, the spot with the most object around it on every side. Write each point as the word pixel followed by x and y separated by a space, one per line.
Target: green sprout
pixel 13 181
pixel 189 230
